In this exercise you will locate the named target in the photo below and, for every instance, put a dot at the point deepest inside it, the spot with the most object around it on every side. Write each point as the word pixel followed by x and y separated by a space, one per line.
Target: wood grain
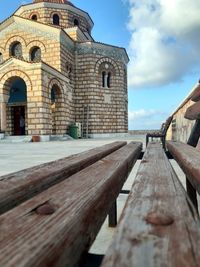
pixel 78 207
pixel 159 226
pixel 20 186
pixel 193 112
pixel 188 158
pixel 196 94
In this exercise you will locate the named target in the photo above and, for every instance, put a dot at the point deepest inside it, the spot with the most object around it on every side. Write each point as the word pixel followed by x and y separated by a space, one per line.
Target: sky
pixel 162 38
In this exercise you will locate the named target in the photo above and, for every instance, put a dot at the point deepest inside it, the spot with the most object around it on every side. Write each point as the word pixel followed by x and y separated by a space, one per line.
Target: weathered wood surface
pixel 159 226
pixel 193 112
pixel 193 141
pixel 196 94
pixel 188 158
pixel 77 208
pixel 20 186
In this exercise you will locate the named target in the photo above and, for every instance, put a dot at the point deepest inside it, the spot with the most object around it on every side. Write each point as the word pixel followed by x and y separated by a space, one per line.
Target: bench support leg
pixel 195 134
pixel 163 142
pixel 193 141
pixel 90 260
pixel 147 140
pixel 112 216
pixel 192 194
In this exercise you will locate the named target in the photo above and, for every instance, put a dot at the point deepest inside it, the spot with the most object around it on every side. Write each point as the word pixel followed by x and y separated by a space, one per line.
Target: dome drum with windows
pixel 53 72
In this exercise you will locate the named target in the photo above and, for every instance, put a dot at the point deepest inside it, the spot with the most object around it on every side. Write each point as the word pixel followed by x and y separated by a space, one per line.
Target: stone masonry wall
pixel 74 71
pixel 32 78
pixel 38 108
pixel 50 49
pixel 64 107
pixel 108 106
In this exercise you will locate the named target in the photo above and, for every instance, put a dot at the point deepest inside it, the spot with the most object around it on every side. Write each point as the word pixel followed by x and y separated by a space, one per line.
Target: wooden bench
pixel 160 134
pixel 20 186
pixel 57 226
pixel 160 225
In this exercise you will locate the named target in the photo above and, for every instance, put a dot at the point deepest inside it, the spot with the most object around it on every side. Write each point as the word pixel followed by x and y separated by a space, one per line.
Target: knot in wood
pixel 158 218
pixel 45 209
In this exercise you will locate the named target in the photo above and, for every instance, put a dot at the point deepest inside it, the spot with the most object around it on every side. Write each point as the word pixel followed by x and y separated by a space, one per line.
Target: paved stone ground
pixel 18 156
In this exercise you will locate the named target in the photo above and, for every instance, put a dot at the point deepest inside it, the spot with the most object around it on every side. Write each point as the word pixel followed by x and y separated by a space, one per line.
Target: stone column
pixel 106 80
pixel 3 116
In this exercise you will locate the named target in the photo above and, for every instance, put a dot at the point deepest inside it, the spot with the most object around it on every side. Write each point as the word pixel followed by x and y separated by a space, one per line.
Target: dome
pixel 55 1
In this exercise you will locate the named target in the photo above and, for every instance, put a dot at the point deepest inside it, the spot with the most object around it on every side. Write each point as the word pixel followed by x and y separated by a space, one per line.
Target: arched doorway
pixel 56 99
pixel 16 106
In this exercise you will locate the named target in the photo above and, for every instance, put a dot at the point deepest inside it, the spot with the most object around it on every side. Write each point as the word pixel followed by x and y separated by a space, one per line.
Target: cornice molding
pixel 103 50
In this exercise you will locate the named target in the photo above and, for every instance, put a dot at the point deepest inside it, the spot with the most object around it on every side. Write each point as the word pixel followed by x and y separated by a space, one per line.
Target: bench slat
pixel 20 186
pixel 159 226
pixel 188 158
pixel 193 112
pixel 81 204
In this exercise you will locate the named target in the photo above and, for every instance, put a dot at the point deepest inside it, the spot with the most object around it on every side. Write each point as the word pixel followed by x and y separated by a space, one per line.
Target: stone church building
pixel 53 73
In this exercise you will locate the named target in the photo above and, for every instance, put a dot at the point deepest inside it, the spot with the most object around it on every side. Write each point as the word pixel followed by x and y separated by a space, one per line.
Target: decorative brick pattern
pixel 72 69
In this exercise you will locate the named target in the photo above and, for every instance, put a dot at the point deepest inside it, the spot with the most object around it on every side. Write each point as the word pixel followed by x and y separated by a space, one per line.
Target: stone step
pixel 28 138
pixel 17 139
pixel 60 137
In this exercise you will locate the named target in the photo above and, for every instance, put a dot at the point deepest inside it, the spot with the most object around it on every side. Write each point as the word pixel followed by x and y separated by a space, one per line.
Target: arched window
pixel 106 72
pixel 53 95
pixel 35 54
pixel 16 50
pixel 34 17
pixel 56 19
pixel 1 58
pixel 103 79
pixel 56 108
pixel 76 22
pixel 108 79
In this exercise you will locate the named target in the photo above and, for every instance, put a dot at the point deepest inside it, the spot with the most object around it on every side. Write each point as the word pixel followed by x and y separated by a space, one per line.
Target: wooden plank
pixel 77 208
pixel 20 186
pixel 159 226
pixel 196 94
pixel 193 112
pixel 188 158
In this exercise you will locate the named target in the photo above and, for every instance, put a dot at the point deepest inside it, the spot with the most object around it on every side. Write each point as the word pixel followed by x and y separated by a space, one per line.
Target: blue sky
pixel 162 38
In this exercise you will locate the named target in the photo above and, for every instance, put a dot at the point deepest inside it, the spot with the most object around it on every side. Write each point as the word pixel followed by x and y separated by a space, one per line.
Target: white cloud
pixel 165 40
pixel 146 119
pixel 139 114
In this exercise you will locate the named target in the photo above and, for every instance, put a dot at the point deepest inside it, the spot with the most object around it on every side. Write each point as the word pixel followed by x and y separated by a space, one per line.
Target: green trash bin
pixel 73 131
